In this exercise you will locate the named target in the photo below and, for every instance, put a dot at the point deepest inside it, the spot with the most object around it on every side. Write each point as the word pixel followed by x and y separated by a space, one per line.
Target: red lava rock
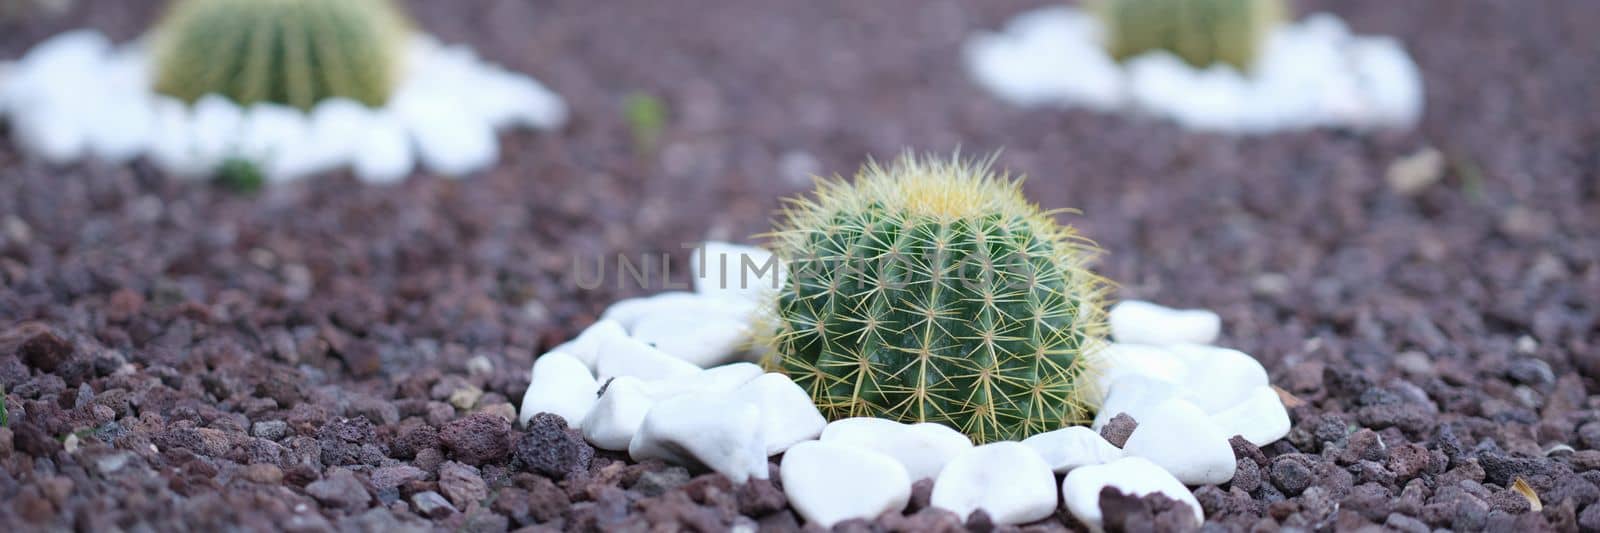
pixel 1118 429
pixel 552 449
pixel 477 438
pixel 340 489
pixel 265 474
pixel 462 484
pixel 43 349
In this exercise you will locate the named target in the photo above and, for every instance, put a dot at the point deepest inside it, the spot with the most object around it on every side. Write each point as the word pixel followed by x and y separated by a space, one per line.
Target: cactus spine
pixel 932 291
pixel 1201 32
pixel 292 52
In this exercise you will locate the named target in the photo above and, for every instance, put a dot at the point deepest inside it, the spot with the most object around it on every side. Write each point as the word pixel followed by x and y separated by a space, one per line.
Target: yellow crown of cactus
pixel 292 52
pixel 933 291
pixel 1202 32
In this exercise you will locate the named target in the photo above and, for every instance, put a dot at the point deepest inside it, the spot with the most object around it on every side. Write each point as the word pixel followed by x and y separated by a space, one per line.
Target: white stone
pixel 1006 479
pixel 923 449
pixel 615 418
pixel 447 140
pixel 708 431
pixel 1218 378
pixel 1261 418
pixel 1134 394
pixel 631 311
pixel 1080 491
pixel 700 340
pixel 725 378
pixel 1181 439
pixel 1154 362
pixel 1069 448
pixel 788 415
pixel 271 135
pixel 121 118
pixel 559 383
pixel 829 483
pixel 172 143
pixel 734 271
pixel 49 132
pixel 1139 322
pixel 217 124
pixel 586 347
pixel 629 357
pixel 1309 74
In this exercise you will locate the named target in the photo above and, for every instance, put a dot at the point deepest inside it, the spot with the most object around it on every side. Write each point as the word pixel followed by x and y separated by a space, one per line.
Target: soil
pixel 331 355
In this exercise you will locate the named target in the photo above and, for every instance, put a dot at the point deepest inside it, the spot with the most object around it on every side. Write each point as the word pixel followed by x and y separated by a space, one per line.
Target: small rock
pixel 621 357
pixel 462 484
pixel 1154 362
pixel 1130 475
pixel 1136 396
pixel 711 431
pixel 1140 322
pixel 477 438
pixel 44 350
pixel 1260 418
pixel 552 450
pixel 616 417
pixel 340 489
pixel 272 430
pixel 1181 439
pixel 1069 448
pixel 465 397
pixel 264 474
pixel 923 449
pixel 724 378
pixel 1291 473
pixel 561 384
pixel 1118 429
pixel 828 483
pixel 1005 479
pixel 432 505
pixel 1411 174
pixel 657 482
pixel 788 415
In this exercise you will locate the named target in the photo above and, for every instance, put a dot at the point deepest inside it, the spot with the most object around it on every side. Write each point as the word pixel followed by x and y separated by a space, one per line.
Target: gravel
pixel 165 319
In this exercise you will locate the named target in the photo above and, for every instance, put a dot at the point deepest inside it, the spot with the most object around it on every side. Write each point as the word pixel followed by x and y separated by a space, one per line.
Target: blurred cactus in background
pixel 292 52
pixel 1201 32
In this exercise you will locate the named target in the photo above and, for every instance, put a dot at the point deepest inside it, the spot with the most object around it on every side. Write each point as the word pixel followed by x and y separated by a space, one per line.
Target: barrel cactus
pixel 933 291
pixel 1202 32
pixel 292 52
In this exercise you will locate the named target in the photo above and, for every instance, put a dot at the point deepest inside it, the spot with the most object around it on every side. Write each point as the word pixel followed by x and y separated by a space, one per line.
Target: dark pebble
pixel 477 438
pixel 552 449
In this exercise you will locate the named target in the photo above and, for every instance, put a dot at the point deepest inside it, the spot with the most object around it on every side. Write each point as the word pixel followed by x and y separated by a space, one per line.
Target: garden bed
pixel 320 353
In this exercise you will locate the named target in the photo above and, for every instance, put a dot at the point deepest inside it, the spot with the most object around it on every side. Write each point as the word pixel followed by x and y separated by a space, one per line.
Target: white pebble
pixel 1069 448
pixel 631 311
pixel 1133 476
pixel 560 384
pixel 1181 439
pixel 1218 378
pixel 1140 322
pixel 615 418
pixel 1136 395
pixel 700 340
pixel 829 483
pixel 271 135
pixel 924 449
pixel 1155 362
pixel 1260 418
pixel 706 431
pixel 1007 480
pixel 725 378
pixel 216 122
pixel 586 347
pixel 788 415
pixel 626 356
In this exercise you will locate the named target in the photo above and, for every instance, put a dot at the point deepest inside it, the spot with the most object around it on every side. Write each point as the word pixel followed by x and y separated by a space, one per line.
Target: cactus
pixel 1202 32
pixel 932 291
pixel 292 52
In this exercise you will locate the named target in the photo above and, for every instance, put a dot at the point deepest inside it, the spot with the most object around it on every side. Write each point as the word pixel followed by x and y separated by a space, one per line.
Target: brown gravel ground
pixel 329 355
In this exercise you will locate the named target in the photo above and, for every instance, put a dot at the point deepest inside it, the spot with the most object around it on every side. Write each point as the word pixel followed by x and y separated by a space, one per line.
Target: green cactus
pixel 932 291
pixel 292 52
pixel 1202 32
